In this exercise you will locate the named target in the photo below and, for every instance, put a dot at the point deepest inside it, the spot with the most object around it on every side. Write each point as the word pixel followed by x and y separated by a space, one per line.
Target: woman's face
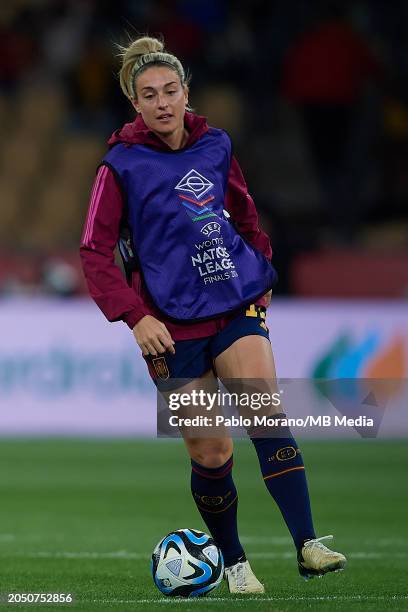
pixel 161 99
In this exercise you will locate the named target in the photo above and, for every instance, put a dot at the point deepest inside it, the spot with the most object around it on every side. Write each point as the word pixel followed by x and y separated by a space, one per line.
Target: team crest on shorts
pixel 160 367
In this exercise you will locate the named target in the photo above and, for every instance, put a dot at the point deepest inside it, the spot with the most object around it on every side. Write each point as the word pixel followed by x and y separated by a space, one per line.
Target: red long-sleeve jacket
pixel 106 283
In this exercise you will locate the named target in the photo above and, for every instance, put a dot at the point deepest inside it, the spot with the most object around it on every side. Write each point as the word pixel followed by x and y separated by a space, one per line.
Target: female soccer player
pixel 199 278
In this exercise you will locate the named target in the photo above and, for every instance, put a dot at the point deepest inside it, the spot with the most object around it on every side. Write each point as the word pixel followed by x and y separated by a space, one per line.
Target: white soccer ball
pixel 187 563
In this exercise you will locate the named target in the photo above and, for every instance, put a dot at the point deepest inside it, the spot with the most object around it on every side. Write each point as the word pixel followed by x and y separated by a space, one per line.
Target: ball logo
pixel 195 183
pixel 286 453
pixel 210 227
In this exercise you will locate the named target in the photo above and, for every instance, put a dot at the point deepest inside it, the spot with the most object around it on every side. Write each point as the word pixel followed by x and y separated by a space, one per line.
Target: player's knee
pixel 212 454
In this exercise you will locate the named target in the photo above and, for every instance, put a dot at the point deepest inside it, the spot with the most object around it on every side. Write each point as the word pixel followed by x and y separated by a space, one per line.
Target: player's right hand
pixel 153 336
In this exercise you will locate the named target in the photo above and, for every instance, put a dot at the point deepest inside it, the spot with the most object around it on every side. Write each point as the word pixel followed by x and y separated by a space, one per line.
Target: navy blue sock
pixel 284 475
pixel 216 498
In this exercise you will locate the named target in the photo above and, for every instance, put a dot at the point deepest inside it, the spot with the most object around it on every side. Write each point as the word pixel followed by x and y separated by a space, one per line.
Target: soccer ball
pixel 187 563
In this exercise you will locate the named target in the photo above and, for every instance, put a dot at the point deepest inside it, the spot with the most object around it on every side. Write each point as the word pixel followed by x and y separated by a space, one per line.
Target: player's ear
pixel 186 92
pixel 135 105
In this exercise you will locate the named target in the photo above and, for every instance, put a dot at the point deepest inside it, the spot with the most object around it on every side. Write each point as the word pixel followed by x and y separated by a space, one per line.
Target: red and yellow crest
pixel 160 367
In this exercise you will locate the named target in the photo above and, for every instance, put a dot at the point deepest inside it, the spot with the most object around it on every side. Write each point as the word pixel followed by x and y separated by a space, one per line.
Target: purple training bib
pixel 194 262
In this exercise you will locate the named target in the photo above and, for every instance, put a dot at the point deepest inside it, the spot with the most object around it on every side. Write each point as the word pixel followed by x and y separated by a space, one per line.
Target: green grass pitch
pixel 82 516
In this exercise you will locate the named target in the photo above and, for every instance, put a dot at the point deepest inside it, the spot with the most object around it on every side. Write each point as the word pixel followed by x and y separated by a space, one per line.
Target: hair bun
pixel 143 45
pixel 141 53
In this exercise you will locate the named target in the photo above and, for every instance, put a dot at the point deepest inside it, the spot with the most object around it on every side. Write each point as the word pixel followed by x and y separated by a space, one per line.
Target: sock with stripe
pixel 283 471
pixel 216 498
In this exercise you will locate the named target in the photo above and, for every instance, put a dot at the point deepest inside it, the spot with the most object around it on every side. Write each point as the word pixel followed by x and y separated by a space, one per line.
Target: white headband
pixel 156 57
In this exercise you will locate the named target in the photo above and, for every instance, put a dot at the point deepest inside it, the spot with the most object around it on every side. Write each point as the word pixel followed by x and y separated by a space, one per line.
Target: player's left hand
pixel 268 297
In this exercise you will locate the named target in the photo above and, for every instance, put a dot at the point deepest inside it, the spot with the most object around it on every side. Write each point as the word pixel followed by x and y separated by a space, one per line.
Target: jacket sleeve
pixel 106 283
pixel 241 207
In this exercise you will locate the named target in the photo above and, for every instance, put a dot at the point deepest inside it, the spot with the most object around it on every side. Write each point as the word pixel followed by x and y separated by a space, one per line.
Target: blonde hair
pixel 140 55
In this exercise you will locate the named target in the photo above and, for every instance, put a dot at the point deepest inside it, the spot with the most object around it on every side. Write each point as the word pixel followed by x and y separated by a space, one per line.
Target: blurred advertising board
pixel 64 370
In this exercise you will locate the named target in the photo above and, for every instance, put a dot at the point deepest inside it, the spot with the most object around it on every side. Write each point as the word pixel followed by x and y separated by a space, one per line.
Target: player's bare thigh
pixel 247 357
pixel 249 360
pixel 207 451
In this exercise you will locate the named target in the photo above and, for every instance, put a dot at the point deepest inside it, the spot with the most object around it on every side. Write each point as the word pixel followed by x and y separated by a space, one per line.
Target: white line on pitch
pixel 123 554
pixel 203 600
pixel 256 540
pixel 284 540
